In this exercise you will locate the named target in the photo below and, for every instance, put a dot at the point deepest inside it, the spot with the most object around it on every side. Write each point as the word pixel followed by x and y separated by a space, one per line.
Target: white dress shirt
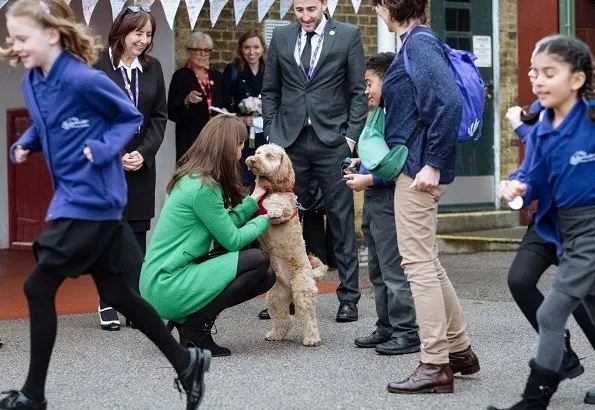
pixel 316 39
pixel 135 64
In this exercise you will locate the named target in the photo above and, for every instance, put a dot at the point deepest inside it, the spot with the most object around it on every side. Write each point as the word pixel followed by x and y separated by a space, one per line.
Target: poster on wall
pixel 482 48
pixel 194 7
pixel 216 8
pixel 170 7
pixel 239 7
pixel 263 8
pixel 285 5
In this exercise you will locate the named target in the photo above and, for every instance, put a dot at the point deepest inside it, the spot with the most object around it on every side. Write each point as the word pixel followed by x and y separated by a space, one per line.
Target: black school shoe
pixel 192 379
pixel 17 400
pixel 371 340
pixel 108 317
pixel 264 314
pixel 590 397
pixel 396 346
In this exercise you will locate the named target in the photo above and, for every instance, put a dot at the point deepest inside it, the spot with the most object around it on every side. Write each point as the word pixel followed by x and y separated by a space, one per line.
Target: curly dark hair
pixel 403 11
pixel 379 63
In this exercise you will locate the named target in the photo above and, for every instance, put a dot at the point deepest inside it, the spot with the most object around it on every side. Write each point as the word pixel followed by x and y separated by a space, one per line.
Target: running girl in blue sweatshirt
pixel 560 165
pixel 80 121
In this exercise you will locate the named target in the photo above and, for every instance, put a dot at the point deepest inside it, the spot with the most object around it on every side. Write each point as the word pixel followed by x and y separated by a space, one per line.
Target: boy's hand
pixel 358 182
pixel 88 153
pixel 20 154
pixel 509 190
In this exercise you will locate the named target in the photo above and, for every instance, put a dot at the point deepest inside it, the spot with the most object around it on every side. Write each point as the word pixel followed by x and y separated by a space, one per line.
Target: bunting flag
pixel 88 7
pixel 216 8
pixel 332 5
pixel 285 6
pixel 117 6
pixel 356 4
pixel 239 7
pixel 2 3
pixel 194 7
pixel 263 8
pixel 170 7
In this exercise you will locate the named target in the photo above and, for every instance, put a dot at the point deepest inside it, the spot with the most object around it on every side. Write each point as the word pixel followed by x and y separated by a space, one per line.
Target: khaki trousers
pixel 439 313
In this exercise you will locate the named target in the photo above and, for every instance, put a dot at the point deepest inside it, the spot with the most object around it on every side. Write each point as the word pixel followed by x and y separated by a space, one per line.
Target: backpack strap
pixel 416 131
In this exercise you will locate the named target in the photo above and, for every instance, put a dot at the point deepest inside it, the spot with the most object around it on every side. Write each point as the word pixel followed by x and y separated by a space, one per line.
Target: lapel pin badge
pixel 332 32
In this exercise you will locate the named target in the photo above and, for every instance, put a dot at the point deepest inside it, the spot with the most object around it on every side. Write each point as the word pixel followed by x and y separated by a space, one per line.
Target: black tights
pixel 41 288
pixel 254 277
pixel 524 273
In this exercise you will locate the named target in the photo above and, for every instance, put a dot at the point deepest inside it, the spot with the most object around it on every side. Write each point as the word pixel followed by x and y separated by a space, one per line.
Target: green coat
pixel 192 216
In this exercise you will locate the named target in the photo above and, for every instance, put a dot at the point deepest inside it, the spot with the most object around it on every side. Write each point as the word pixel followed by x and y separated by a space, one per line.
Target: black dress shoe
pixel 347 312
pixel 399 346
pixel 108 317
pixel 590 397
pixel 264 314
pixel 372 340
pixel 192 379
pixel 17 400
pixel 571 364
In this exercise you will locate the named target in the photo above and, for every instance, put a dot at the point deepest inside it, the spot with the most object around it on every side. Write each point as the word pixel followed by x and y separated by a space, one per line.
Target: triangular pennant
pixel 263 8
pixel 239 7
pixel 356 4
pixel 88 7
pixel 117 6
pixel 2 3
pixel 194 7
pixel 170 7
pixel 332 5
pixel 285 6
pixel 216 8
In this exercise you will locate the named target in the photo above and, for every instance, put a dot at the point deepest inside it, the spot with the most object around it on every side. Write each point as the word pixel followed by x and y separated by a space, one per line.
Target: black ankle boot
pixel 192 379
pixel 540 387
pixel 17 400
pixel 571 365
pixel 197 332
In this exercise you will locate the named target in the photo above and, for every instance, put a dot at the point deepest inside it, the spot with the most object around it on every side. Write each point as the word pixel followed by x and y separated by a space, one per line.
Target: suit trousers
pixel 392 293
pixel 312 158
pixel 439 313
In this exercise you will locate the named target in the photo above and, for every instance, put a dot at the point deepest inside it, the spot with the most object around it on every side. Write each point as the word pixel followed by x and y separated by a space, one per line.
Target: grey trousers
pixel 392 294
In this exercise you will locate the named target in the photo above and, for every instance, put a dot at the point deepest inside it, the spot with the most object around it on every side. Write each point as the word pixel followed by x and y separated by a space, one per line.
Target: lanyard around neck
pixel 314 54
pixel 127 86
pixel 205 87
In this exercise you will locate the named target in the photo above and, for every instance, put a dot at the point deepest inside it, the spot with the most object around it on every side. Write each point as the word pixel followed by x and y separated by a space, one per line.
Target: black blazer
pixel 191 119
pixel 241 85
pixel 152 105
pixel 334 98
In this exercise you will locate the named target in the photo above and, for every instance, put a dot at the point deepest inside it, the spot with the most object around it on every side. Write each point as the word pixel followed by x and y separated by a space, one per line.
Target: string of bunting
pixel 194 7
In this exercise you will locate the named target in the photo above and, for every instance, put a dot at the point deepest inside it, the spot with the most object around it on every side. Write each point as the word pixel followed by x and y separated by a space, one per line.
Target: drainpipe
pixel 386 39
pixel 566 17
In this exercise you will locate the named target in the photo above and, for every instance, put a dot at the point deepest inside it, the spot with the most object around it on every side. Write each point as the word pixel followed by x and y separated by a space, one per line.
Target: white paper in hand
pixel 220 111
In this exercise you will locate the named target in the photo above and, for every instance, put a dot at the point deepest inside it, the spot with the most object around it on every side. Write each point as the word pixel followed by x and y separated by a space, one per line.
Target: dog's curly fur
pixel 284 244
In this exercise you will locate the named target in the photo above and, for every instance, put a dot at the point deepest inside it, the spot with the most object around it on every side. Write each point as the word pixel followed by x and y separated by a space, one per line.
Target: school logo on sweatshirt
pixel 580 157
pixel 75 123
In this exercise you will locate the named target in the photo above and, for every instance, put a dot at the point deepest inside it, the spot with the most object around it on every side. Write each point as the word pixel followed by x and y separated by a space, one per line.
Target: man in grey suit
pixel 314 106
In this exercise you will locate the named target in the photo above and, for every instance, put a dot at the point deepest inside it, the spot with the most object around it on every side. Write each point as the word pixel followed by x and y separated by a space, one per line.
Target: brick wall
pixel 225 34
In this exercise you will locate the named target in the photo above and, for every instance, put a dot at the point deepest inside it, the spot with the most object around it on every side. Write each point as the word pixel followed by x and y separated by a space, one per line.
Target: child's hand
pixel 88 153
pixel 20 154
pixel 513 115
pixel 358 182
pixel 509 190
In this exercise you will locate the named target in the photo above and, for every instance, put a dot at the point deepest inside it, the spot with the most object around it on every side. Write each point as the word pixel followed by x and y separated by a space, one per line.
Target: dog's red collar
pixel 262 210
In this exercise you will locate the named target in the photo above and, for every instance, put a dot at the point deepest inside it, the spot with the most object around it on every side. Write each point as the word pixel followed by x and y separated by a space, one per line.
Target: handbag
pixel 374 153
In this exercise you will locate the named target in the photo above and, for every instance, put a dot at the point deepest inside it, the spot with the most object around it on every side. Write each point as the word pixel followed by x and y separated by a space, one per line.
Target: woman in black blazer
pixel 140 76
pixel 243 78
pixel 193 90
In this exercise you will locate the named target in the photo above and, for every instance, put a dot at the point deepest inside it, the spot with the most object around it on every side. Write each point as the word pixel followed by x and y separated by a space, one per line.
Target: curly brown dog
pixel 284 244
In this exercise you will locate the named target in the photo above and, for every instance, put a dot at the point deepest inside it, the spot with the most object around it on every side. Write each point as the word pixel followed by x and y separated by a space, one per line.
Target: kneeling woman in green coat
pixel 206 203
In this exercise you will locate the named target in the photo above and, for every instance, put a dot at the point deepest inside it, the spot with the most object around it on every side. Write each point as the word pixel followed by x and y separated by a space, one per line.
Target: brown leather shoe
pixel 464 362
pixel 427 378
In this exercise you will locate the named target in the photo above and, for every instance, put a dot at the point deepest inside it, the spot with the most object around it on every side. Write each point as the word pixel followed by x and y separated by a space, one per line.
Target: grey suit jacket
pixel 333 98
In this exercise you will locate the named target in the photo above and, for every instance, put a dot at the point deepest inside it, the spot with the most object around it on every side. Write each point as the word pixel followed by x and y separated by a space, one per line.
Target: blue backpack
pixel 471 85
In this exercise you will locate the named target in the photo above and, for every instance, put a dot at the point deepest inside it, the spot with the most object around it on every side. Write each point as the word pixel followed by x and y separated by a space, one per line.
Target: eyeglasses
pixel 205 51
pixel 137 8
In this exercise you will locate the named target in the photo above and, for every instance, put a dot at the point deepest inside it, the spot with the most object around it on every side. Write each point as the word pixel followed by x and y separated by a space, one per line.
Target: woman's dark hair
pixel 212 157
pixel 403 11
pixel 127 22
pixel 379 63
pixel 239 60
pixel 577 55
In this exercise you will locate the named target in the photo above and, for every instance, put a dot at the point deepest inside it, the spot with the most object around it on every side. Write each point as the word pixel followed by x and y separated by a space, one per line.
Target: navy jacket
pixel 560 165
pixel 428 94
pixel 88 109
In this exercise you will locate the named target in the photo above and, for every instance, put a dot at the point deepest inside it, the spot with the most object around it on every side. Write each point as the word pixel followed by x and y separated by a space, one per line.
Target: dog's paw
pixel 311 341
pixel 275 213
pixel 273 336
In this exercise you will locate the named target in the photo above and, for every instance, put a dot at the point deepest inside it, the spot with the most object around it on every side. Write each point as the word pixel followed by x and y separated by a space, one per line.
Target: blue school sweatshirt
pixel 560 168
pixel 75 107
pixel 428 94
